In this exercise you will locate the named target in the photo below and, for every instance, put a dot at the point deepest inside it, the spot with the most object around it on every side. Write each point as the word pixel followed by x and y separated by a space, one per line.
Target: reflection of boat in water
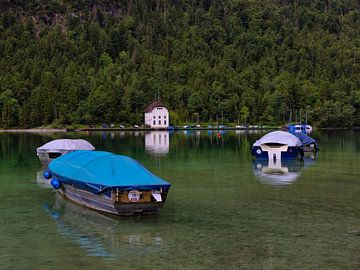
pixel 280 172
pixel 100 235
pixel 57 148
pixel 157 142
pixel 192 132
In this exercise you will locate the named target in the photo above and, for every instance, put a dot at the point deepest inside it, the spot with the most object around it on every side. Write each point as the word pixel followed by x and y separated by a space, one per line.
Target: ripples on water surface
pixel 224 210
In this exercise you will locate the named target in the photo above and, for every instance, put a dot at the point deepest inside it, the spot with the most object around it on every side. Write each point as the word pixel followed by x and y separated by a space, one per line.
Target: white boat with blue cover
pixel 107 182
pixel 278 145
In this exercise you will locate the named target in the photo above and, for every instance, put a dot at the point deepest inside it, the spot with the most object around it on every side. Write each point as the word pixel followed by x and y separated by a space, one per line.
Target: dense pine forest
pixel 68 62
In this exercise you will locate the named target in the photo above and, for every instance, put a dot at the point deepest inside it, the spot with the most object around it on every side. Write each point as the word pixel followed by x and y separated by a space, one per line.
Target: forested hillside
pixel 81 62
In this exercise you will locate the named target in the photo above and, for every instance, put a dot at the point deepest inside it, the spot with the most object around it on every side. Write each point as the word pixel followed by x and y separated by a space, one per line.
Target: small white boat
pixel 57 148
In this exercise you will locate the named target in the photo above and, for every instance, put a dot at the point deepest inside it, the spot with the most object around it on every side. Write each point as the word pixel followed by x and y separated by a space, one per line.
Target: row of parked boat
pixel 120 185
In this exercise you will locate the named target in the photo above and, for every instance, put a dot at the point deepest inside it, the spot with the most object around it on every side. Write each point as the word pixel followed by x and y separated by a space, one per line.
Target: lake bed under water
pixel 224 210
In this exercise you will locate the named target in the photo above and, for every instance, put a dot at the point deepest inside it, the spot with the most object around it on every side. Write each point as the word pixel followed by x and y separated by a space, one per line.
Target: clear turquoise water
pixel 223 211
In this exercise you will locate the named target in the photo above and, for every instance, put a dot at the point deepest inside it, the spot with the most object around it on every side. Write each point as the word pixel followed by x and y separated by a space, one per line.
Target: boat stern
pixel 275 151
pixel 128 202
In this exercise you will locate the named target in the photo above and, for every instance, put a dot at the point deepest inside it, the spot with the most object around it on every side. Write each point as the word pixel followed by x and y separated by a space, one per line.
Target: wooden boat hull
pixel 117 203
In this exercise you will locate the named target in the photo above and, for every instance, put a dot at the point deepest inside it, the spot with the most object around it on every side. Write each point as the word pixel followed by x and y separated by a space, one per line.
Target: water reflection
pixel 253 231
pixel 41 180
pixel 240 131
pixel 189 132
pixel 101 235
pixel 157 142
pixel 281 172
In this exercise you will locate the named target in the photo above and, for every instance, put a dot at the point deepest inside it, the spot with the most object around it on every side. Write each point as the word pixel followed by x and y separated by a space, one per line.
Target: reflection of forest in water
pixel 17 147
pixel 101 235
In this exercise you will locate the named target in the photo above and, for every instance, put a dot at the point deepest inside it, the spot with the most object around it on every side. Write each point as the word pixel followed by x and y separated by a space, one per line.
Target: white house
pixel 156 115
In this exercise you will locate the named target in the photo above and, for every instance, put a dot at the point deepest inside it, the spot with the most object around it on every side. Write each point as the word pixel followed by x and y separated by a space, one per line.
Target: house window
pixel 159 116
pixel 154 116
pixel 164 116
pixel 159 122
pixel 154 122
pixel 164 122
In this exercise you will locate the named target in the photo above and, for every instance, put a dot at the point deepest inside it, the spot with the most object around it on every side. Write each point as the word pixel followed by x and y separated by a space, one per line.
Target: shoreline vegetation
pixel 267 62
pixel 64 130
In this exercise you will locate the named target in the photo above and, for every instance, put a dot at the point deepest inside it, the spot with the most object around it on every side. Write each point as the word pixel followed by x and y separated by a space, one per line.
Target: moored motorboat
pixel 309 144
pixel 300 128
pixel 57 148
pixel 278 145
pixel 108 182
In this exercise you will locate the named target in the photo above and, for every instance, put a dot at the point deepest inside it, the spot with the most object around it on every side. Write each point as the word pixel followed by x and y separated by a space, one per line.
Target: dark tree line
pixel 82 62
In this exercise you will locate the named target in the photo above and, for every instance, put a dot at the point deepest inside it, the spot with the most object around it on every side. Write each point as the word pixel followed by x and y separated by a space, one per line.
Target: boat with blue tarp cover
pixel 107 182
pixel 278 145
pixel 309 144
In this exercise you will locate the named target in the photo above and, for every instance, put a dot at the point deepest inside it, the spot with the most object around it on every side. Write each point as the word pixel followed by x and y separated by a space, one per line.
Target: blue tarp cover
pixel 100 170
pixel 305 139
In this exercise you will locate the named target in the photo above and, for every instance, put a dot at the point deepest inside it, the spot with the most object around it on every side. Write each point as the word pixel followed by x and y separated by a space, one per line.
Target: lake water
pixel 224 211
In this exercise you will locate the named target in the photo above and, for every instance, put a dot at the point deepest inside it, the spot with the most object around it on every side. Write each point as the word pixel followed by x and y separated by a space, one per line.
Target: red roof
pixel 153 105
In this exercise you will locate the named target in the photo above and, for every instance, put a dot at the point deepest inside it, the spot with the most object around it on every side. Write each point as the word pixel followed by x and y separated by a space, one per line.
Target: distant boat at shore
pixel 300 128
